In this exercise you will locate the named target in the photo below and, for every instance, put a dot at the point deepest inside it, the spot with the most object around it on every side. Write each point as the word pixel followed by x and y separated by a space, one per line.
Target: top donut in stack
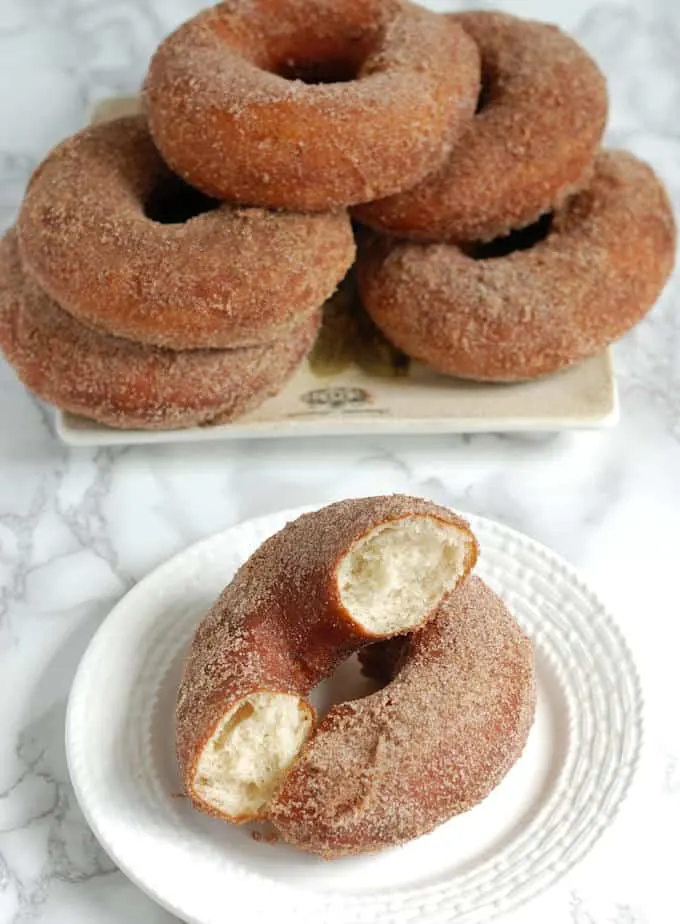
pixel 311 106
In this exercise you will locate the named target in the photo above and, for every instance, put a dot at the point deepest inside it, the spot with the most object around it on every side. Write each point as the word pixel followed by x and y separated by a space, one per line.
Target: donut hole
pixel 524 239
pixel 251 751
pixel 348 682
pixel 318 57
pixel 392 578
pixel 174 202
pixel 337 70
pixel 487 90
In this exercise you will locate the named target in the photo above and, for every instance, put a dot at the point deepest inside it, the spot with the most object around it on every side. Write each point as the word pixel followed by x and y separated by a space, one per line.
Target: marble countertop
pixel 79 527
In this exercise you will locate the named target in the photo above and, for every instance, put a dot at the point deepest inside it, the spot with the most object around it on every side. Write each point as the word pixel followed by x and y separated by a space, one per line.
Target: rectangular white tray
pixel 353 402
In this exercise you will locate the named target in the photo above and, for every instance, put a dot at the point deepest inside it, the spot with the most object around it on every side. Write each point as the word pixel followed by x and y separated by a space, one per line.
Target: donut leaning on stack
pixel 528 250
pixel 135 299
pixel 97 233
pixel 115 308
pixel 387 577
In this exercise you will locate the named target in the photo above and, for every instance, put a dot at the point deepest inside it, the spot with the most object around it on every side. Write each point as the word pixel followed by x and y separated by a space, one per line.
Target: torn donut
pixel 325 586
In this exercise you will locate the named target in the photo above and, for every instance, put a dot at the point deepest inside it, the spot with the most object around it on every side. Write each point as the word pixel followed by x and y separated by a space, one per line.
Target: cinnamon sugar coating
pixel 543 112
pixel 125 384
pixel 598 271
pixel 431 744
pixel 280 625
pixel 230 114
pixel 229 277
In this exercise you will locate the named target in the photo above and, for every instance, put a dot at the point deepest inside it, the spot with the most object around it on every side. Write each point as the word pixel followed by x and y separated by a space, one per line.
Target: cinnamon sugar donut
pixel 497 314
pixel 452 720
pixel 542 114
pixel 228 277
pixel 327 584
pixel 129 385
pixel 310 104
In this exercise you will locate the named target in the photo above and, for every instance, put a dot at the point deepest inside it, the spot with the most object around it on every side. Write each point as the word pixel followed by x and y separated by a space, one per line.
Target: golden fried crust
pixel 543 112
pixel 125 384
pixel 280 625
pixel 226 278
pixel 600 269
pixel 431 744
pixel 228 120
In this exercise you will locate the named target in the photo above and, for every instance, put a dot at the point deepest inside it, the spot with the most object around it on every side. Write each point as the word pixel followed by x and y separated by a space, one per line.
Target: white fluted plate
pixel 544 817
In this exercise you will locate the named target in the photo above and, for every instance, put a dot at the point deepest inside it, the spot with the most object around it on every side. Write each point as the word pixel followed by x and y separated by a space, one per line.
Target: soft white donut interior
pixel 251 751
pixel 390 579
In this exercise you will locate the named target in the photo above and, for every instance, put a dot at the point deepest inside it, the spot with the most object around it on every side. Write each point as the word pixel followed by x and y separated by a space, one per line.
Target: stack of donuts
pixel 168 269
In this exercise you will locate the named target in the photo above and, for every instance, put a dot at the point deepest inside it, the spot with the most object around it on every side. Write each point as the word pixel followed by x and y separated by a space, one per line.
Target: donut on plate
pixel 326 585
pixel 227 277
pixel 129 385
pixel 541 116
pixel 502 313
pixel 452 720
pixel 310 104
